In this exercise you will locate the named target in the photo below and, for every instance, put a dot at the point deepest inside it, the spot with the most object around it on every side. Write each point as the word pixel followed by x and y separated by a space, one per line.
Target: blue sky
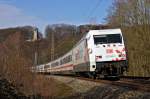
pixel 42 12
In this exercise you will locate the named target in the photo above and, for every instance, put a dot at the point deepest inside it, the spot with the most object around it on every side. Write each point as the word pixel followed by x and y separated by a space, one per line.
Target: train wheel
pixel 89 75
pixel 92 75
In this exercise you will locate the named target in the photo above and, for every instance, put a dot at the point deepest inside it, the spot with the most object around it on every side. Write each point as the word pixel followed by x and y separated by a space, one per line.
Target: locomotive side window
pixel 110 38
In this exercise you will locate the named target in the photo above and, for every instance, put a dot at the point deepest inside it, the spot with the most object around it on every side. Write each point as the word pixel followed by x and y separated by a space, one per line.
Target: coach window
pixel 67 59
pixel 55 64
pixel 61 62
pixel 70 57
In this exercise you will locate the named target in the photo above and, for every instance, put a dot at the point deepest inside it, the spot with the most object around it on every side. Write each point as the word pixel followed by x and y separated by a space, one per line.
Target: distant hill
pixel 23 39
pixel 26 32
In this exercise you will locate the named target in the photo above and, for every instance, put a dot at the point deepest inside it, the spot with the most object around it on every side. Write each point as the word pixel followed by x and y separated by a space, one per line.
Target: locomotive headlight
pixel 93 66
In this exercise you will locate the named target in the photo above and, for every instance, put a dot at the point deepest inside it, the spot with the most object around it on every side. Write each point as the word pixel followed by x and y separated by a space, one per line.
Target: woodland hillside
pixel 17 50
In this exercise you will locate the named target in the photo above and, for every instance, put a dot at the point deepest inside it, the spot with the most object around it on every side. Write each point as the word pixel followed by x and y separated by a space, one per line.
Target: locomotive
pixel 99 53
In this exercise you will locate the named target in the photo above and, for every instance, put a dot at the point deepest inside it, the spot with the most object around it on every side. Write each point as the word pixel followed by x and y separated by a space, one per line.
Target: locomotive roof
pixel 105 31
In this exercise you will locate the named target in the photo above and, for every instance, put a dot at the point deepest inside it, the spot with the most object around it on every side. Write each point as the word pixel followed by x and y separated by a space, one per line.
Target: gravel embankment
pixel 91 90
pixel 78 86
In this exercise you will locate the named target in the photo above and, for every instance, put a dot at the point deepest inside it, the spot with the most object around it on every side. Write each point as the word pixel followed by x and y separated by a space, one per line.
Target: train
pixel 99 54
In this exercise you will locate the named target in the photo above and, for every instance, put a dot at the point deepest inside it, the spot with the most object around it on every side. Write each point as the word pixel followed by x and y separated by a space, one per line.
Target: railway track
pixel 141 84
pixel 138 83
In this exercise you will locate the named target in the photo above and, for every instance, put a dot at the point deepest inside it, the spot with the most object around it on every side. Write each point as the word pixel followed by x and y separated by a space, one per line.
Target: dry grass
pixel 16 69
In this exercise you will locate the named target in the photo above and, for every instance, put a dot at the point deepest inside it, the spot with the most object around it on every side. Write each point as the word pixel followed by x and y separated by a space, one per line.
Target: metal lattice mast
pixel 35 38
pixel 52 46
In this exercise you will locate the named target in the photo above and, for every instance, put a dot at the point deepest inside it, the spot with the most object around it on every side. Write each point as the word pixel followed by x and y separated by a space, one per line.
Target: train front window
pixel 102 39
pixel 114 38
pixel 109 38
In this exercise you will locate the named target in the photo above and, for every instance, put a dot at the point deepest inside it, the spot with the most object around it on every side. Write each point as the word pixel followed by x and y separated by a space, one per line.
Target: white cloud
pixel 11 16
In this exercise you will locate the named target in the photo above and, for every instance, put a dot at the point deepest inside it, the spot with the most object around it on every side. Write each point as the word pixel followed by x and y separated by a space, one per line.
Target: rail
pixel 135 77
